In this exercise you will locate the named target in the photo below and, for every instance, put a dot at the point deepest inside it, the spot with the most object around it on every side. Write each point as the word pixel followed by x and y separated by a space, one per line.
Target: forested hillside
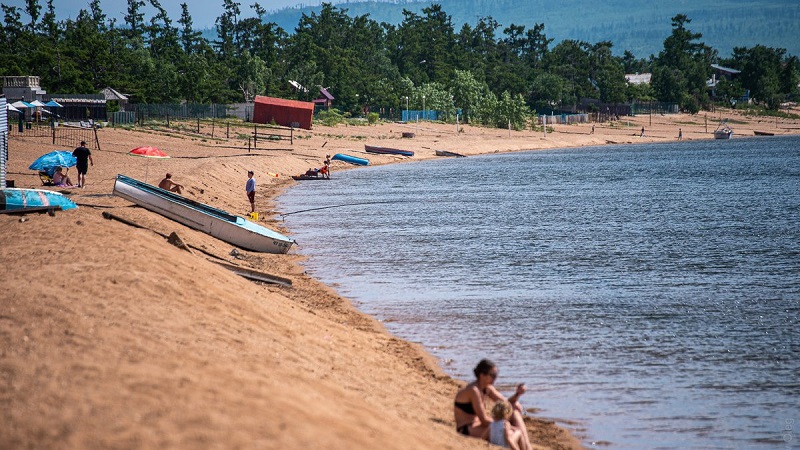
pixel 492 73
pixel 633 25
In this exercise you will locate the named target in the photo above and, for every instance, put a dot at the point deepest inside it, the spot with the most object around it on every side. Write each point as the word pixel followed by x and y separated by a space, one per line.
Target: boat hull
pixel 17 198
pixel 230 228
pixel 307 178
pixel 351 159
pixel 449 153
pixel 723 134
pixel 387 150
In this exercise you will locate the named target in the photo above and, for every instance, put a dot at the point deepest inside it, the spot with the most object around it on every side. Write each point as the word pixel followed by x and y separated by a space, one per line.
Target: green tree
pixel 682 67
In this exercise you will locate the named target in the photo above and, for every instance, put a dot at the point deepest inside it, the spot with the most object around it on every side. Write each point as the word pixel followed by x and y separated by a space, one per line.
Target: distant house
pixel 289 113
pixel 81 106
pixel 112 95
pixel 325 99
pixel 638 78
pixel 24 88
pixel 720 73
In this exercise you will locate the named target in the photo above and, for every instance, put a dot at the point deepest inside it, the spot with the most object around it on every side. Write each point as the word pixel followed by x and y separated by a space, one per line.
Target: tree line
pixel 492 74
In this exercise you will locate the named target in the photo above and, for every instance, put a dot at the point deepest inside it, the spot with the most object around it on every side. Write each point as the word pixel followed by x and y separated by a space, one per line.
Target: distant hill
pixel 634 25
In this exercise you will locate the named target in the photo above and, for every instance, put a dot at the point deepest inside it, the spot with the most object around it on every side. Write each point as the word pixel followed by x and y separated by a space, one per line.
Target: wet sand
pixel 112 338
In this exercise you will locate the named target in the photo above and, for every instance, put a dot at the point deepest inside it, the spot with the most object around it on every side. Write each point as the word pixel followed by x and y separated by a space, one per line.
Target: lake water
pixel 647 294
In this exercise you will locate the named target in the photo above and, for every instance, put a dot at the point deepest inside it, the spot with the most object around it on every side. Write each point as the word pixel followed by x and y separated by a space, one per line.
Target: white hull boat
pixel 216 222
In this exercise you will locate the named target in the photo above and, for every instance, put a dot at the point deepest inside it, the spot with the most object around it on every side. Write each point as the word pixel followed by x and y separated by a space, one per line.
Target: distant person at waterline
pixel 469 405
pixel 168 185
pixel 250 188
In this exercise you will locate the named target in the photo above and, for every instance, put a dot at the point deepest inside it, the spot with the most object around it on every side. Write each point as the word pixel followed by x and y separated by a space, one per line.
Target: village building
pixel 288 113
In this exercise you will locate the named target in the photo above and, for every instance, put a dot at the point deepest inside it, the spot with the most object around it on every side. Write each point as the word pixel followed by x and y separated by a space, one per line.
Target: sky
pixel 203 12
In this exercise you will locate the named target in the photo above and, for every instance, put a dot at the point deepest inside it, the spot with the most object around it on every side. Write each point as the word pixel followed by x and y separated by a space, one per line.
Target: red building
pixel 289 113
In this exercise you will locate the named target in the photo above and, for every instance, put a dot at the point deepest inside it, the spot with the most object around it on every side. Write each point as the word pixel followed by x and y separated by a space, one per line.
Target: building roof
pixel 638 78
pixel 79 98
pixel 113 94
pixel 284 102
pixel 325 93
pixel 727 70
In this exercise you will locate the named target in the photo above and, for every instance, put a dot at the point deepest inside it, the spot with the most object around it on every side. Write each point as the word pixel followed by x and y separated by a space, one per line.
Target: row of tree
pixel 493 74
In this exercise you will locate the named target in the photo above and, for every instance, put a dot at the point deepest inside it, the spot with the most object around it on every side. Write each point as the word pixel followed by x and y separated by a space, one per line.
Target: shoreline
pixel 82 363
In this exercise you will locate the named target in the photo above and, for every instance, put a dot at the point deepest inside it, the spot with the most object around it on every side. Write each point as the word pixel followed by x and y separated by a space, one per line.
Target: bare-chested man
pixel 168 185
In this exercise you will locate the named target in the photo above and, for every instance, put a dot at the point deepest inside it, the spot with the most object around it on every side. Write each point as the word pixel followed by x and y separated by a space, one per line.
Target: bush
pixel 372 118
pixel 330 117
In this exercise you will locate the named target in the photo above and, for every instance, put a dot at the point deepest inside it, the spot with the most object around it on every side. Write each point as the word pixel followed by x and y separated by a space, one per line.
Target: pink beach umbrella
pixel 148 152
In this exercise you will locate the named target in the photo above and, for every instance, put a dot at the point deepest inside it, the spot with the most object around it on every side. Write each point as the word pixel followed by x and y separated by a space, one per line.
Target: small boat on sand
pixel 387 150
pixel 763 133
pixel 449 153
pixel 350 159
pixel 723 131
pixel 305 177
pixel 230 228
pixel 18 199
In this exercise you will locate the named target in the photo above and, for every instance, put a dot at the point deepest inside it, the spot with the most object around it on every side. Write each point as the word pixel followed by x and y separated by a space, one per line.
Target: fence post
pixel 198 124
pixel 213 120
pixel 255 136
pixel 248 144
pixel 291 136
pixel 96 139
pixel 228 130
pixel 53 128
pixel 167 120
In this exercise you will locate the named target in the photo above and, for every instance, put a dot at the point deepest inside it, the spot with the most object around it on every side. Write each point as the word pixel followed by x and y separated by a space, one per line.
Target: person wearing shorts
pixel 250 187
pixel 84 157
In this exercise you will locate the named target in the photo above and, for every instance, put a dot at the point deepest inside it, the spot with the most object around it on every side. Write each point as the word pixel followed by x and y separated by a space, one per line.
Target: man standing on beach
pixel 84 157
pixel 250 187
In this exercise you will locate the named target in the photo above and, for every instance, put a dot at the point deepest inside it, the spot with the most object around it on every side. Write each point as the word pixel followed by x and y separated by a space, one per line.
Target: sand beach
pixel 112 338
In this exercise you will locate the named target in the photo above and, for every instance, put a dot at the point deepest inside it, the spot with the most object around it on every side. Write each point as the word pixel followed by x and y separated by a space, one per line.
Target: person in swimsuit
pixel 60 178
pixel 500 431
pixel 469 406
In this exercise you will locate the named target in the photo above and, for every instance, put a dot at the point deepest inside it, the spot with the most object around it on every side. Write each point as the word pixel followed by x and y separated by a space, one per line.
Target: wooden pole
pixel 212 126
pixel 291 136
pixel 227 130
pixel 255 136
pixel 198 124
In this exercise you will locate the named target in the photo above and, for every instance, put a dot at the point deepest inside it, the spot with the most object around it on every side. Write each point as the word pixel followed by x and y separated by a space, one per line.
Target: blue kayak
pixel 13 198
pixel 351 159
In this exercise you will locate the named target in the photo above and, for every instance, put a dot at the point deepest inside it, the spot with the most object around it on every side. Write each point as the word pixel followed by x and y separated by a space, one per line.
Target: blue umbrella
pixel 53 104
pixel 49 161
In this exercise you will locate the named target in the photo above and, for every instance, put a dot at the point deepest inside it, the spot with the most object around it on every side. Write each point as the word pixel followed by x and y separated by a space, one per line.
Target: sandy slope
pixel 112 338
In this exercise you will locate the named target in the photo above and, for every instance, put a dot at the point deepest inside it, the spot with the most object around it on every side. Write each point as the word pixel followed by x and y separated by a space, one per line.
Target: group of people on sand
pixel 324 171
pixel 502 426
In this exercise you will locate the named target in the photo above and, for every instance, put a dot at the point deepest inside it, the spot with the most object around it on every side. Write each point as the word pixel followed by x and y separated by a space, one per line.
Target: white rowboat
pixel 216 222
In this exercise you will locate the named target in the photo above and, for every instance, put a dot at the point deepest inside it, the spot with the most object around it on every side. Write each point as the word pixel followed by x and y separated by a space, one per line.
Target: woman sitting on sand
pixel 472 418
pixel 60 178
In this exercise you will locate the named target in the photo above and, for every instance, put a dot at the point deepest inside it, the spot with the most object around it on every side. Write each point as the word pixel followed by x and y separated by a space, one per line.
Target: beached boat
pixel 17 199
pixel 763 133
pixel 308 177
pixel 387 150
pixel 723 131
pixel 216 222
pixel 449 153
pixel 351 159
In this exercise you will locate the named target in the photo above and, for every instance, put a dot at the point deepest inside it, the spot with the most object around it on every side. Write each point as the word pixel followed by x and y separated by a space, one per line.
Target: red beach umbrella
pixel 148 152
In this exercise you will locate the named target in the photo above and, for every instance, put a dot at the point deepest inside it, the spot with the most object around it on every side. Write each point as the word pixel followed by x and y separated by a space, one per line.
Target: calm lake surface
pixel 647 294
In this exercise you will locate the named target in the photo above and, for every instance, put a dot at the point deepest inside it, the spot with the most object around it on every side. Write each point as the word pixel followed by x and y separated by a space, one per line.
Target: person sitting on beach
pixel 500 431
pixel 325 171
pixel 168 185
pixel 60 178
pixel 469 407
pixel 312 172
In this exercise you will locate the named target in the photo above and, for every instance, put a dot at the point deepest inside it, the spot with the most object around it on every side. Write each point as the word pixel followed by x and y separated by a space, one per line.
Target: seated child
pixel 500 431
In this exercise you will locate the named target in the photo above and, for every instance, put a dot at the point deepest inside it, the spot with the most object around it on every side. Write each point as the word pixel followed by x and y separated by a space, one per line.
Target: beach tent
pixel 21 104
pixel 53 104
pixel 289 113
pixel 37 103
